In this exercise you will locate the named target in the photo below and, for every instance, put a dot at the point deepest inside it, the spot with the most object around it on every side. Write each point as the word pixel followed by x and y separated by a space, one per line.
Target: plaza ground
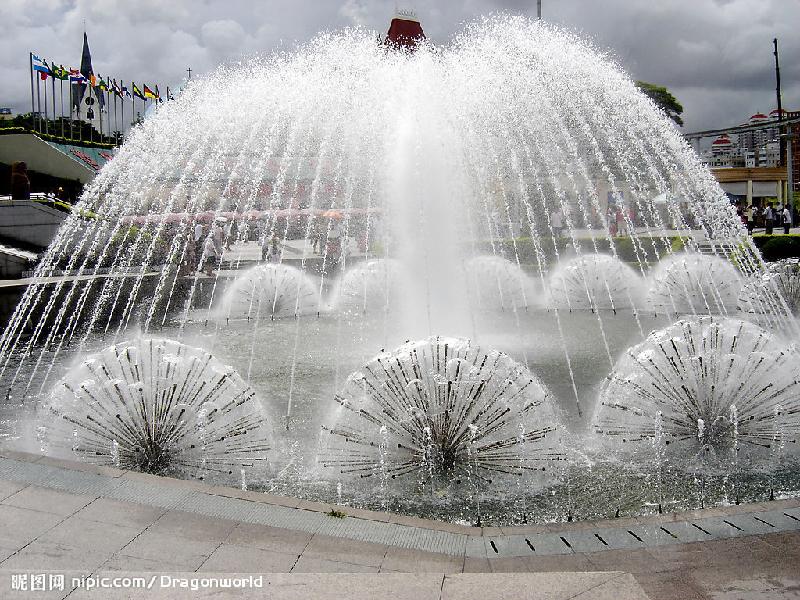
pixel 81 520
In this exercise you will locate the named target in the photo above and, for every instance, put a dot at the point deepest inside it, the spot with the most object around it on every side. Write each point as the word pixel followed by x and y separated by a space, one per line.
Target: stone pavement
pixel 77 520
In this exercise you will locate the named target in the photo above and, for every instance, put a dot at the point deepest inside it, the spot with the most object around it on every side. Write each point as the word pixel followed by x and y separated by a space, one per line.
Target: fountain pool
pixel 464 193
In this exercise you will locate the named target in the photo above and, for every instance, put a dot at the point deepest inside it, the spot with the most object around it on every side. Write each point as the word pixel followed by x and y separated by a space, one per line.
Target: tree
pixel 663 99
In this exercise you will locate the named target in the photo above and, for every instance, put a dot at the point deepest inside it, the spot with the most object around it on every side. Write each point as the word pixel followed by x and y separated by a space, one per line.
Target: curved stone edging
pixel 397 530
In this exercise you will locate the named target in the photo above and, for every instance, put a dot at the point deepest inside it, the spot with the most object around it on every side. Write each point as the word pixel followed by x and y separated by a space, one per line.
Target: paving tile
pixel 118 512
pixel 306 564
pixel 8 488
pixel 354 586
pixel 541 564
pixel 622 587
pixel 229 558
pixel 103 538
pixel 742 583
pixel 630 561
pixel 669 586
pixel 72 465
pixel 417 561
pixel 18 526
pixel 546 586
pixel 46 500
pixel 120 562
pixel 48 556
pixel 193 526
pixel 352 551
pixel 477 565
pixel 269 538
pixel 784 543
pixel 178 550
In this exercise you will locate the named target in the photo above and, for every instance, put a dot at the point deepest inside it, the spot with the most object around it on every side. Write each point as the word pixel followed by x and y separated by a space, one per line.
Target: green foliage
pixel 624 246
pixel 336 514
pixel 663 99
pixel 776 247
pixel 83 133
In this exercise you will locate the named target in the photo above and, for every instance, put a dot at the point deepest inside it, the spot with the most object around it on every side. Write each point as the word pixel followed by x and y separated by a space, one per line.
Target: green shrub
pixel 776 247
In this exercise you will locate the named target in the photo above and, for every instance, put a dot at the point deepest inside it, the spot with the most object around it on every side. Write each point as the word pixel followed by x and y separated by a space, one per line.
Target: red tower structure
pixel 405 31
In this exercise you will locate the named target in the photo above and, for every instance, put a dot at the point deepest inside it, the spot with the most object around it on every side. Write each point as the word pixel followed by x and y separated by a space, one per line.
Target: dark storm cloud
pixel 716 55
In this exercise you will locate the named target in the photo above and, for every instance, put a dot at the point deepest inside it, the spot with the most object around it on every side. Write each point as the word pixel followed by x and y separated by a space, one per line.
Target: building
pixel 757 148
pixel 6 114
pixel 405 31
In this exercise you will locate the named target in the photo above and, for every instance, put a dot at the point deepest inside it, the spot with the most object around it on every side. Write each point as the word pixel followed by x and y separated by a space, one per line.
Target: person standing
pixel 20 184
pixel 787 220
pixel 198 239
pixel 275 253
pixel 751 220
pixel 557 222
pixel 769 219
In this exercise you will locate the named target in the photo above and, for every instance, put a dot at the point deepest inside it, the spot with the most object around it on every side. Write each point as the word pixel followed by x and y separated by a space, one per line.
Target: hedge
pixel 776 247
pixel 654 247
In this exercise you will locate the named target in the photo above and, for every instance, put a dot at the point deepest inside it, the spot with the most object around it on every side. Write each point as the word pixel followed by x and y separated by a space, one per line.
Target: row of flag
pixel 99 83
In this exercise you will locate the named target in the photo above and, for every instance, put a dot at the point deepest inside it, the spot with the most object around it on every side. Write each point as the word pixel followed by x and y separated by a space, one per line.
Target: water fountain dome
pixel 763 295
pixel 497 284
pixel 373 286
pixel 704 385
pixel 690 283
pixel 442 408
pixel 159 406
pixel 270 291
pixel 595 282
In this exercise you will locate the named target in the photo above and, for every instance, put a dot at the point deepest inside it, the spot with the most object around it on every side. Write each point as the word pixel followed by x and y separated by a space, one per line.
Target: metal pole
pixel 539 9
pixel 33 109
pixel 789 171
pixel 781 142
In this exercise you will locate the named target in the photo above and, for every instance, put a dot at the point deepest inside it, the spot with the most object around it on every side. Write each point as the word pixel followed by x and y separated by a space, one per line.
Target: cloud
pixel 715 55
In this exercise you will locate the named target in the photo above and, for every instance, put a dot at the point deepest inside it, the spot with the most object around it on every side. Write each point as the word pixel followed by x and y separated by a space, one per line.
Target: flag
pixel 137 92
pixel 101 84
pixel 76 76
pixel 115 87
pixel 60 72
pixel 158 94
pixel 40 65
pixel 148 93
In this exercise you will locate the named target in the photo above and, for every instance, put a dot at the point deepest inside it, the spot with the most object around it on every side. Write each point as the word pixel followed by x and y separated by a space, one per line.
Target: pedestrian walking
pixel 787 220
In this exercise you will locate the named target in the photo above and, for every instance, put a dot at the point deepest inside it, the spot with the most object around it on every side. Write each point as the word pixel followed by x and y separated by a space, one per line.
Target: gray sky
pixel 715 55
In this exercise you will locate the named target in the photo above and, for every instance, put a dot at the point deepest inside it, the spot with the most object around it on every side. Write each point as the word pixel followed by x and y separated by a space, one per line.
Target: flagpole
pixel 46 115
pixel 99 111
pixel 54 103
pixel 61 96
pixel 38 106
pixel 71 128
pixel 33 110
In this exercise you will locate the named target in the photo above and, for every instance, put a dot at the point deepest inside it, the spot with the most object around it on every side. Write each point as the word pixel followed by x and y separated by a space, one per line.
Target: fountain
pixel 763 295
pixel 704 385
pixel 595 282
pixel 370 287
pixel 268 292
pixel 158 406
pixel 497 284
pixel 443 407
pixel 694 284
pixel 487 171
